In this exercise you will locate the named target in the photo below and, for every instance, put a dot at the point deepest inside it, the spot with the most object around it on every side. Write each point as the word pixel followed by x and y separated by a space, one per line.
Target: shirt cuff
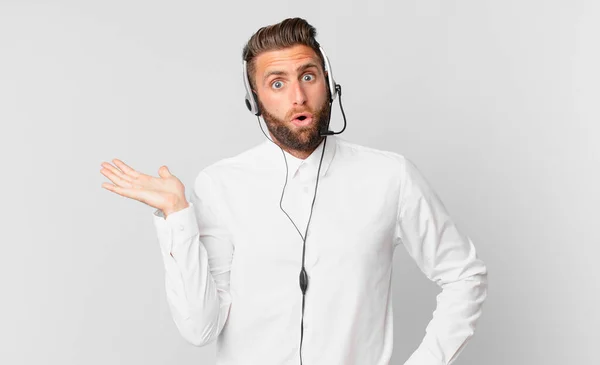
pixel 177 229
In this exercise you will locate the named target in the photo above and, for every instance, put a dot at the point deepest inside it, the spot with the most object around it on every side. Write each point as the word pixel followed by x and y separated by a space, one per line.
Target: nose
pixel 298 94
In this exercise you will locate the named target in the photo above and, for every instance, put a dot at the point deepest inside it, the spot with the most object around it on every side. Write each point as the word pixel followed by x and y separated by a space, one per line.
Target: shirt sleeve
pixel 448 258
pixel 197 255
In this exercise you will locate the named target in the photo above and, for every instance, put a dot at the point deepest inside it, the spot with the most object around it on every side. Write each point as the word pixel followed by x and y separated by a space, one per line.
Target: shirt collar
pixel 311 161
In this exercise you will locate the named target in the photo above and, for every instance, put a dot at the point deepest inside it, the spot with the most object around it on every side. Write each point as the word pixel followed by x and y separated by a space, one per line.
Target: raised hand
pixel 165 192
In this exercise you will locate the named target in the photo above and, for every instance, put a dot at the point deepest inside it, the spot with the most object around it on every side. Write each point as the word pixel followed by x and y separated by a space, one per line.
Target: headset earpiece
pixel 331 85
pixel 251 97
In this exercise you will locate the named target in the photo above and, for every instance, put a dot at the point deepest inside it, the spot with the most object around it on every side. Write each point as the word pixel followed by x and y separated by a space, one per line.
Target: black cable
pixel 326 131
pixel 338 87
pixel 286 180
pixel 303 275
pixel 324 134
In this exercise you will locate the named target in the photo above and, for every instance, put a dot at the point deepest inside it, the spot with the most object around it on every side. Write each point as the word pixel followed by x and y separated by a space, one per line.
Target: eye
pixel 308 77
pixel 277 85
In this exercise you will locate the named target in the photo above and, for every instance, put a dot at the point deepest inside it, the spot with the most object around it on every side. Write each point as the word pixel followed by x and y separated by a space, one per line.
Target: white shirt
pixel 233 259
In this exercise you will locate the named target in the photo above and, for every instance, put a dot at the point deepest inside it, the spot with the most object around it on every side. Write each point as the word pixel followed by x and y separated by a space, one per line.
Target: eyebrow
pixel 300 69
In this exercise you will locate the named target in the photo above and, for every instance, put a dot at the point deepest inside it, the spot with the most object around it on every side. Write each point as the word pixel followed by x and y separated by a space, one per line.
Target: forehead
pixel 287 58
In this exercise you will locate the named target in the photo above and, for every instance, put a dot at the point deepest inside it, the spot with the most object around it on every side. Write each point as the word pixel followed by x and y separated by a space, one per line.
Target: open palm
pixel 165 192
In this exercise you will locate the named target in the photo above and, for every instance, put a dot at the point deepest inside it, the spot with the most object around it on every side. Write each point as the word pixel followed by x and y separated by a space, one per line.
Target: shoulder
pixel 355 154
pixel 231 168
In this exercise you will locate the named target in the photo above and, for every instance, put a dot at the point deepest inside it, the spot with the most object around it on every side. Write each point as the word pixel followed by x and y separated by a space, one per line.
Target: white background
pixel 495 101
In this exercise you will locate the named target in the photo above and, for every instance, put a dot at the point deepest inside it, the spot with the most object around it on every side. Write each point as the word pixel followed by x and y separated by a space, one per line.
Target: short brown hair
pixel 288 33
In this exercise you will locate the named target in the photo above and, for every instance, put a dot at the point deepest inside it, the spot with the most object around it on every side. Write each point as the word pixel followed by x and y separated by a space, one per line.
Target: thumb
pixel 164 172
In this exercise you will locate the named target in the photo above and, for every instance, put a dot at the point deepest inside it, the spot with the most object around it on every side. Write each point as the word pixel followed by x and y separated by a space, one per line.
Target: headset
pixel 252 105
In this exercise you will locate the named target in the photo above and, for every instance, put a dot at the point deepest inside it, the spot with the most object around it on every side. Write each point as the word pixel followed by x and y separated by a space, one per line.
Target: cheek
pixel 319 97
pixel 273 103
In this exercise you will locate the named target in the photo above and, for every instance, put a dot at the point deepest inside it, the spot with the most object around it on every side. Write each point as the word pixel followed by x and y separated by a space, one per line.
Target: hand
pixel 166 192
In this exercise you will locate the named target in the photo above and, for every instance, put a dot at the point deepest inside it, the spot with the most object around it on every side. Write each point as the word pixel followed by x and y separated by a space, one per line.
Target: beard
pixel 305 138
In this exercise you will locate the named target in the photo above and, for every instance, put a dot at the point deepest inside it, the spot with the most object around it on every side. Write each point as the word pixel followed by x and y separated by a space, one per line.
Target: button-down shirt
pixel 233 258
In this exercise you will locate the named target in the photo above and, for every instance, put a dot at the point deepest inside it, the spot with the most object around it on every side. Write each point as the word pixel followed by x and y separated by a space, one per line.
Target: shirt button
pixel 181 227
pixel 305 190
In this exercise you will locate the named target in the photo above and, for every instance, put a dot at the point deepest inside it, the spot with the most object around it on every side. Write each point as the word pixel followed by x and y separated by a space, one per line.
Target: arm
pixel 446 257
pixel 197 255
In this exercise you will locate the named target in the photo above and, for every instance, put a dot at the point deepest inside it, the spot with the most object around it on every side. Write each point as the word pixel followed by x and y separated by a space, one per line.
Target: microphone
pixel 325 131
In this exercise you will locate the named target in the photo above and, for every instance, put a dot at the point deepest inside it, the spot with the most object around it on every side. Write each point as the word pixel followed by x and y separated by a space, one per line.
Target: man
pixel 255 226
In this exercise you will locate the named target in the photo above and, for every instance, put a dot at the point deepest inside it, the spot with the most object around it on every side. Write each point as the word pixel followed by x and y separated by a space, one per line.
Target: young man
pixel 284 252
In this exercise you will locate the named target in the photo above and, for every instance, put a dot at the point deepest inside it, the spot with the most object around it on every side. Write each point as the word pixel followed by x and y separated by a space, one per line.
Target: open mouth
pixel 302 119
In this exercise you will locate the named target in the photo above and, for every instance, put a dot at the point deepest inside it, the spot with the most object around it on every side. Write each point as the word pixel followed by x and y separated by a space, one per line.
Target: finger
pixel 116 179
pixel 117 172
pixel 108 186
pixel 164 172
pixel 126 169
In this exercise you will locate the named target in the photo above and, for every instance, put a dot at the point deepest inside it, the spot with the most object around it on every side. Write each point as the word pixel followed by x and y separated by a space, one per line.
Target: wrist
pixel 176 208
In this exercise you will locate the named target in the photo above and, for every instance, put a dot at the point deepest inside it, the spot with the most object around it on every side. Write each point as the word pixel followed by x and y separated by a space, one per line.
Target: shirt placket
pixel 299 191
